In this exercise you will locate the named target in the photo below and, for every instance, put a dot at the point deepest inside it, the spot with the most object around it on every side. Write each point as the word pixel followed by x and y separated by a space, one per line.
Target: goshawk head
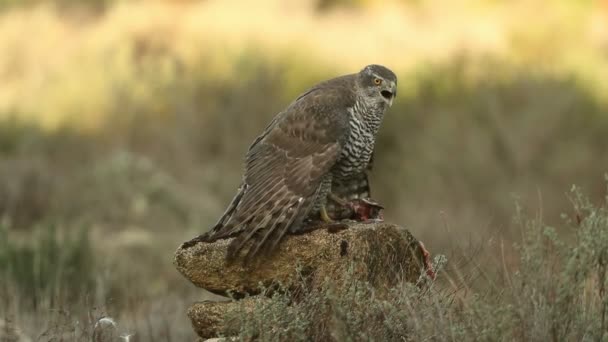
pixel 377 84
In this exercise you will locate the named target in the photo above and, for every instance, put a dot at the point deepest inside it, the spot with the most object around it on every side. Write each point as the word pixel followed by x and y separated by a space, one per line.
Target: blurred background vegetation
pixel 123 126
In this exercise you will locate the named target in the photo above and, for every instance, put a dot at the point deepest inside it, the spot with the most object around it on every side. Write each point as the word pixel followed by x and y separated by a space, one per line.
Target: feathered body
pixel 321 143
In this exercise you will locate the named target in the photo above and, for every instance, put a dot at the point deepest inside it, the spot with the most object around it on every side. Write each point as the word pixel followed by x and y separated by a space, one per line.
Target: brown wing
pixel 285 169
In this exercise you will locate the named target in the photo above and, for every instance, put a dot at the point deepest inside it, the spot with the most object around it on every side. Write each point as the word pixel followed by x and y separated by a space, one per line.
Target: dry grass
pixel 556 292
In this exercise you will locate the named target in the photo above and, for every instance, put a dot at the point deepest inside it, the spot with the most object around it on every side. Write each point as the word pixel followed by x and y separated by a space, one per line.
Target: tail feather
pixel 258 223
pixel 250 206
pixel 239 214
pixel 295 218
pixel 263 228
pixel 260 241
pixel 278 228
pixel 219 231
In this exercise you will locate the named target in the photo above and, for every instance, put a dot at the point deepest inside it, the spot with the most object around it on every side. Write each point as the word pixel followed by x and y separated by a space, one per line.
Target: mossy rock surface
pixel 382 254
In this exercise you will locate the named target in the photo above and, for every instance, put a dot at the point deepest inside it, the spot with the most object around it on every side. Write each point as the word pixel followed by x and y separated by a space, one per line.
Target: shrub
pixel 557 293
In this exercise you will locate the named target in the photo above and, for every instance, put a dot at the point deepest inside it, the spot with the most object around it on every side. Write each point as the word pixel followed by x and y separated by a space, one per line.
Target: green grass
pixel 47 267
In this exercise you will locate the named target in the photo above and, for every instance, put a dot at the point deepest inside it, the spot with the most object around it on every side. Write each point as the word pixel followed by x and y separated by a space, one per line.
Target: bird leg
pixel 327 222
pixel 357 209
pixel 337 199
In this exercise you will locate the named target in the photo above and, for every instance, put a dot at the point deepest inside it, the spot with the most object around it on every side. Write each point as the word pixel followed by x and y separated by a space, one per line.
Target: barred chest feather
pixel 359 145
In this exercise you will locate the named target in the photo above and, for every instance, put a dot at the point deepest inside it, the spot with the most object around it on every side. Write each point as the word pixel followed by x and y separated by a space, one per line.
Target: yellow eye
pixel 377 81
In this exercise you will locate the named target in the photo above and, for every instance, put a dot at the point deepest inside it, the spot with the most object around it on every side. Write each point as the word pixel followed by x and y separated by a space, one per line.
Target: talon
pixel 324 216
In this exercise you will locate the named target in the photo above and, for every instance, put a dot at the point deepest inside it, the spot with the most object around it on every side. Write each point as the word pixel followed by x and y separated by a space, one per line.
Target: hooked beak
pixel 389 93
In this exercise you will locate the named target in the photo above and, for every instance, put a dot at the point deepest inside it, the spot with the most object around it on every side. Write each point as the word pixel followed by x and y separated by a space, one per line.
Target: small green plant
pixel 48 266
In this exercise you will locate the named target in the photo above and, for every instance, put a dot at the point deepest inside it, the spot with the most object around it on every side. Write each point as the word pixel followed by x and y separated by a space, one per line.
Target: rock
pixel 209 318
pixel 105 330
pixel 380 253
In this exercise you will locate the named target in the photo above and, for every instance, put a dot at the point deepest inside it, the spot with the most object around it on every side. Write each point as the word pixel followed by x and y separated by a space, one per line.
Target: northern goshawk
pixel 312 155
